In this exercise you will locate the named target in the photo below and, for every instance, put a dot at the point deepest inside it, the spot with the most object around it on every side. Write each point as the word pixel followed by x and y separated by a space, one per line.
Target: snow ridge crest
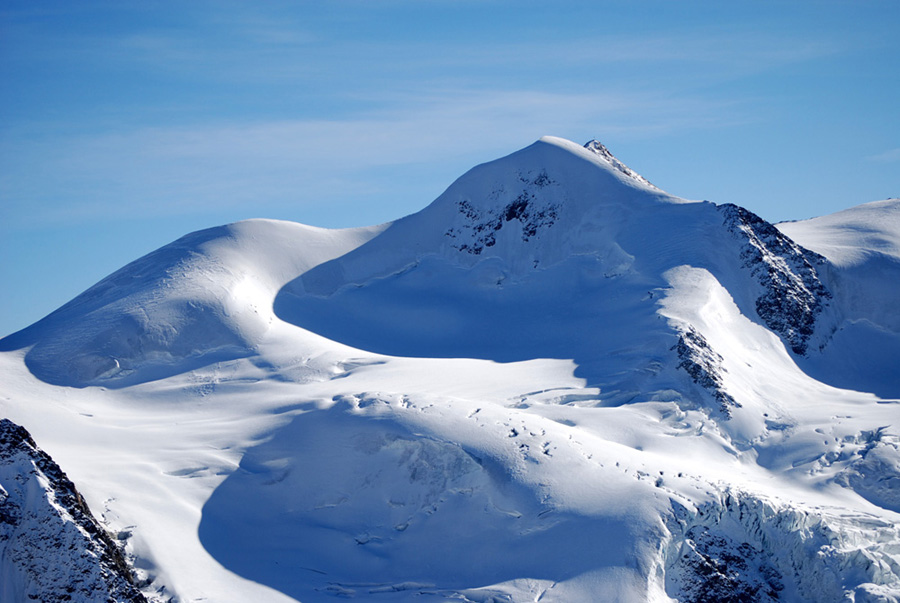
pixel 599 149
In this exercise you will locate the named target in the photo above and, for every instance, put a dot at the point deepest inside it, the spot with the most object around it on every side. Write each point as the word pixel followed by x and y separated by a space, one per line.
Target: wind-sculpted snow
pixel 556 382
pixel 203 299
pixel 366 497
pixel 133 315
pixel 358 503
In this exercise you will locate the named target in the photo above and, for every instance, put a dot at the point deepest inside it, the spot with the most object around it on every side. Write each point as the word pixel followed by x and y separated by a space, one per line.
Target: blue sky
pixel 124 125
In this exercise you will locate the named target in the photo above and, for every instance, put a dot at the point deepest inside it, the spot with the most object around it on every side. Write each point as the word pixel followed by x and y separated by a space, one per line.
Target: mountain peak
pixel 599 149
pixel 553 382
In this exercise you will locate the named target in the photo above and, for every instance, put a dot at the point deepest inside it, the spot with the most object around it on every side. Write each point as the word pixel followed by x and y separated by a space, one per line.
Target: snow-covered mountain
pixel 556 382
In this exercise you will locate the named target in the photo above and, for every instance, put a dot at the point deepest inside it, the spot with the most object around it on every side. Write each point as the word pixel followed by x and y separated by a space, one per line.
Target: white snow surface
pixel 862 343
pixel 555 383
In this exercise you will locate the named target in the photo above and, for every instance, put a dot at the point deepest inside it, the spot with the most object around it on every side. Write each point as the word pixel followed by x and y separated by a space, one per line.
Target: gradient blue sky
pixel 124 125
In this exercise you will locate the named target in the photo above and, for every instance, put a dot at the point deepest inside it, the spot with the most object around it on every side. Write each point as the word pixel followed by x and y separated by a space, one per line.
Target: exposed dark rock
pixel 716 569
pixel 50 544
pixel 528 208
pixel 738 547
pixel 704 365
pixel 792 295
pixel 600 149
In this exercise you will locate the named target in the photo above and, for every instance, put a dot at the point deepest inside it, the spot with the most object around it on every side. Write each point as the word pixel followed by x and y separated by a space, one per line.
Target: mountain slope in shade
pixel 556 382
pixel 862 244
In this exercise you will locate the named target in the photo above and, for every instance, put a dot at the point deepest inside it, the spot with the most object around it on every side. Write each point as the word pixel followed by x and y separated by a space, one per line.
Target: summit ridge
pixel 597 147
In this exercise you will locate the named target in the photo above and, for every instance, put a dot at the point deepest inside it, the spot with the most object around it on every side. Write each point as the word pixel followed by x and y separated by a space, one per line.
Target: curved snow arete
pixel 202 299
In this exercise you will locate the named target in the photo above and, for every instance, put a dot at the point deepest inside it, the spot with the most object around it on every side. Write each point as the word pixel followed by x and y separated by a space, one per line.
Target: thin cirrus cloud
pixel 166 170
pixel 273 54
pixel 889 156
pixel 339 128
pixel 245 43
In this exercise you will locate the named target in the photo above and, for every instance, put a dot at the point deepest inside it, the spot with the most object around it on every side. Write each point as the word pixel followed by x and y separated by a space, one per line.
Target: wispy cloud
pixel 170 170
pixel 889 156
pixel 277 45
pixel 270 53
pixel 258 106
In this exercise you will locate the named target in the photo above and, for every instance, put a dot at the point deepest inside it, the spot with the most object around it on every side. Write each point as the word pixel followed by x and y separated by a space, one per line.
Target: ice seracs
pixel 554 382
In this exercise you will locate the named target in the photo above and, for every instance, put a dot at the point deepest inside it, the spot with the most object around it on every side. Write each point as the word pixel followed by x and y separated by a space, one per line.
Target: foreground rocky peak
pixel 51 547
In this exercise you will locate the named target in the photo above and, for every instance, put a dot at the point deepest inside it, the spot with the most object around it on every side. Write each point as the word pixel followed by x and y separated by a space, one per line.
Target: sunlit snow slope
pixel 556 382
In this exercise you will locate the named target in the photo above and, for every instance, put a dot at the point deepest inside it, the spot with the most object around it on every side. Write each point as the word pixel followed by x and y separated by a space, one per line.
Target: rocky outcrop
pixel 704 365
pixel 527 207
pixel 739 547
pixel 598 148
pixel 791 295
pixel 51 547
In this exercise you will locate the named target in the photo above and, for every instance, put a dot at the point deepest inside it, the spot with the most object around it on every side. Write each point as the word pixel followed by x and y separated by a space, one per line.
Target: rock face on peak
pixel 532 213
pixel 791 293
pixel 600 149
pixel 51 547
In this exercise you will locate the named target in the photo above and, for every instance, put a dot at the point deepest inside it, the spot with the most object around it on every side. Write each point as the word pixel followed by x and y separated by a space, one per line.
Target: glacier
pixel 556 382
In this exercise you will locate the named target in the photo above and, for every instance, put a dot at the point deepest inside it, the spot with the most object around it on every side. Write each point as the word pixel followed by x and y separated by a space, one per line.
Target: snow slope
pixel 862 245
pixel 556 382
pixel 202 299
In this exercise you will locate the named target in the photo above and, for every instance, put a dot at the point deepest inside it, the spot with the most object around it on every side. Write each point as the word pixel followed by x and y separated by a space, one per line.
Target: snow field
pixel 554 383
